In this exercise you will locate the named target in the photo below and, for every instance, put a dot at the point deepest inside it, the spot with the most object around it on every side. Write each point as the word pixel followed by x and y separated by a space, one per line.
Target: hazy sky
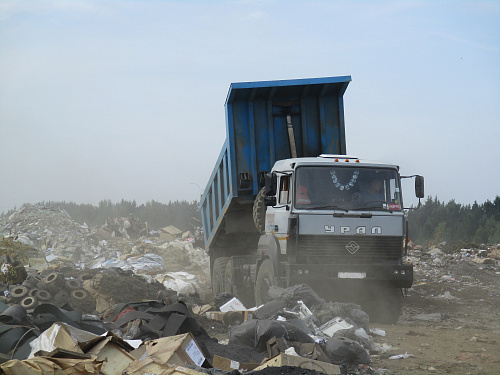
pixel 125 99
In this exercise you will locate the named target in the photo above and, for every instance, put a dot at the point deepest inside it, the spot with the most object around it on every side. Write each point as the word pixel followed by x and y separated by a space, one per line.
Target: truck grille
pixel 363 249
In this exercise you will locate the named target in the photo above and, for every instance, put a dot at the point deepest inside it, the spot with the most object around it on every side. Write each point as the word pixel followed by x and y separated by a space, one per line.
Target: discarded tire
pixel 41 285
pixel 43 295
pixel 54 282
pixel 84 277
pixel 79 294
pixel 19 292
pixel 35 279
pixel 61 298
pixel 72 284
pixel 29 302
pixel 28 284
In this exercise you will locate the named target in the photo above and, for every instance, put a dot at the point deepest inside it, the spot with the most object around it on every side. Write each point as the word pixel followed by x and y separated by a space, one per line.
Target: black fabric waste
pixel 343 351
pixel 269 310
pixel 255 333
pixel 156 319
pixel 234 352
pixel 351 312
pixel 16 332
pixel 299 292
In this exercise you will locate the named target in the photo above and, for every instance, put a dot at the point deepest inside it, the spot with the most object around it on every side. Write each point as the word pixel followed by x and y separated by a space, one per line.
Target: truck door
pixel 281 211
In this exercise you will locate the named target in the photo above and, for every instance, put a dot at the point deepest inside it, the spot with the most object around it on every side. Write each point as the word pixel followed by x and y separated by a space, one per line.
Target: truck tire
pixel 265 279
pixel 259 211
pixel 388 308
pixel 244 293
pixel 219 275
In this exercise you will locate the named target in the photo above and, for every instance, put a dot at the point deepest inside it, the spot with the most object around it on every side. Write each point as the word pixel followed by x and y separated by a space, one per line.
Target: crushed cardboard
pixel 293 360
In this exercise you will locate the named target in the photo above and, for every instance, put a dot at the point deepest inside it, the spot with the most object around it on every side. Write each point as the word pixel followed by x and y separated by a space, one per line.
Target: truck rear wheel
pixel 259 211
pixel 219 275
pixel 244 293
pixel 265 279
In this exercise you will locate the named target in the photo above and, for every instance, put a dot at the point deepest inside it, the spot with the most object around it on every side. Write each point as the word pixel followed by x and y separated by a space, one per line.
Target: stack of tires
pixel 52 288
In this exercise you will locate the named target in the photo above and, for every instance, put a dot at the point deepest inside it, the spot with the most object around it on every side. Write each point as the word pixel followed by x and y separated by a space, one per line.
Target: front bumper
pixel 398 276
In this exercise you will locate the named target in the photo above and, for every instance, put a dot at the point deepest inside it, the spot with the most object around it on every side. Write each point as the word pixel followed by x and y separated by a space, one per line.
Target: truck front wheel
pixel 219 275
pixel 259 211
pixel 265 279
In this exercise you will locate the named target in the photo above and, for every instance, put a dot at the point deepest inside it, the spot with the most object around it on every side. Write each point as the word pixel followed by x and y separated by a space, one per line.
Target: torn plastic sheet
pixel 401 356
pixel 183 283
pixel 147 263
pixel 62 336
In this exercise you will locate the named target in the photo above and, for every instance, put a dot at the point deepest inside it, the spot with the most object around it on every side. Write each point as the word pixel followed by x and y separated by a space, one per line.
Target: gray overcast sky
pixel 125 99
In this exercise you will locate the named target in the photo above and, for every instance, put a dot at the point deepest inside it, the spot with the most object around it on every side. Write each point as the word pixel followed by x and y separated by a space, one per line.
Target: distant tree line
pixel 181 214
pixel 435 222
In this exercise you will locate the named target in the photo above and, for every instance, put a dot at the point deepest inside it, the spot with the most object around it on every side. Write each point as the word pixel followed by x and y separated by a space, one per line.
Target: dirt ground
pixel 467 338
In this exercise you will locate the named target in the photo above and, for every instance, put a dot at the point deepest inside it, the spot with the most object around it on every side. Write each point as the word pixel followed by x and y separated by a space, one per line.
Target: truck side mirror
pixel 271 183
pixel 270 201
pixel 419 186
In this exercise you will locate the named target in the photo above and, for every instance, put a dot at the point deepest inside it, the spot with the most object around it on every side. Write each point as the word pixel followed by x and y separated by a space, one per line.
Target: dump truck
pixel 286 205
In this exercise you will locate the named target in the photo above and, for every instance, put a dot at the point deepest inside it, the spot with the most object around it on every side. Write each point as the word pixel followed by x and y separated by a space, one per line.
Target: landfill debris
pixel 229 365
pixel 233 304
pixel 283 360
pixel 401 356
pixel 377 332
pixel 334 325
pixel 113 292
pixel 50 234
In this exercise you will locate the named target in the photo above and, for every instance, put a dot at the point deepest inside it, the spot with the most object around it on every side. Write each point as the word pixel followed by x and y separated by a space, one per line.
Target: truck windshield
pixel 347 188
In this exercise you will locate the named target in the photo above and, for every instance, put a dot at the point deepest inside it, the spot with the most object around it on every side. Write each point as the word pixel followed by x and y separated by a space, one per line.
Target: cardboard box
pixel 313 351
pixel 292 360
pixel 334 325
pixel 115 358
pixel 175 350
pixel 229 365
pixel 234 304
pixel 150 366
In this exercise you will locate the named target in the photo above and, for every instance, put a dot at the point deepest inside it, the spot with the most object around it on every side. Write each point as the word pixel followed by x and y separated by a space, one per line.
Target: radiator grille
pixel 363 249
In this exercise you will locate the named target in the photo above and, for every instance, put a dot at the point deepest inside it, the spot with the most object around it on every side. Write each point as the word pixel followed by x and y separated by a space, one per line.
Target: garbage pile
pixel 121 300
pixel 435 265
pixel 166 335
pixel 298 322
pixel 53 240
pixel 436 256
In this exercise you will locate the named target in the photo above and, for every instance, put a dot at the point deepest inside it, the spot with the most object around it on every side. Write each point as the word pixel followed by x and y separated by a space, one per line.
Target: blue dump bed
pixel 257 136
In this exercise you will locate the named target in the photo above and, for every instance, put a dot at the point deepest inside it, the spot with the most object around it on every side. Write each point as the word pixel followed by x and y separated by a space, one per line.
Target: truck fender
pixel 269 247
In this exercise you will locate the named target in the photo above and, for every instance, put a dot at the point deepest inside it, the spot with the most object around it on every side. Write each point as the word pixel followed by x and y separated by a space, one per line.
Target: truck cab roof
pixel 288 165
